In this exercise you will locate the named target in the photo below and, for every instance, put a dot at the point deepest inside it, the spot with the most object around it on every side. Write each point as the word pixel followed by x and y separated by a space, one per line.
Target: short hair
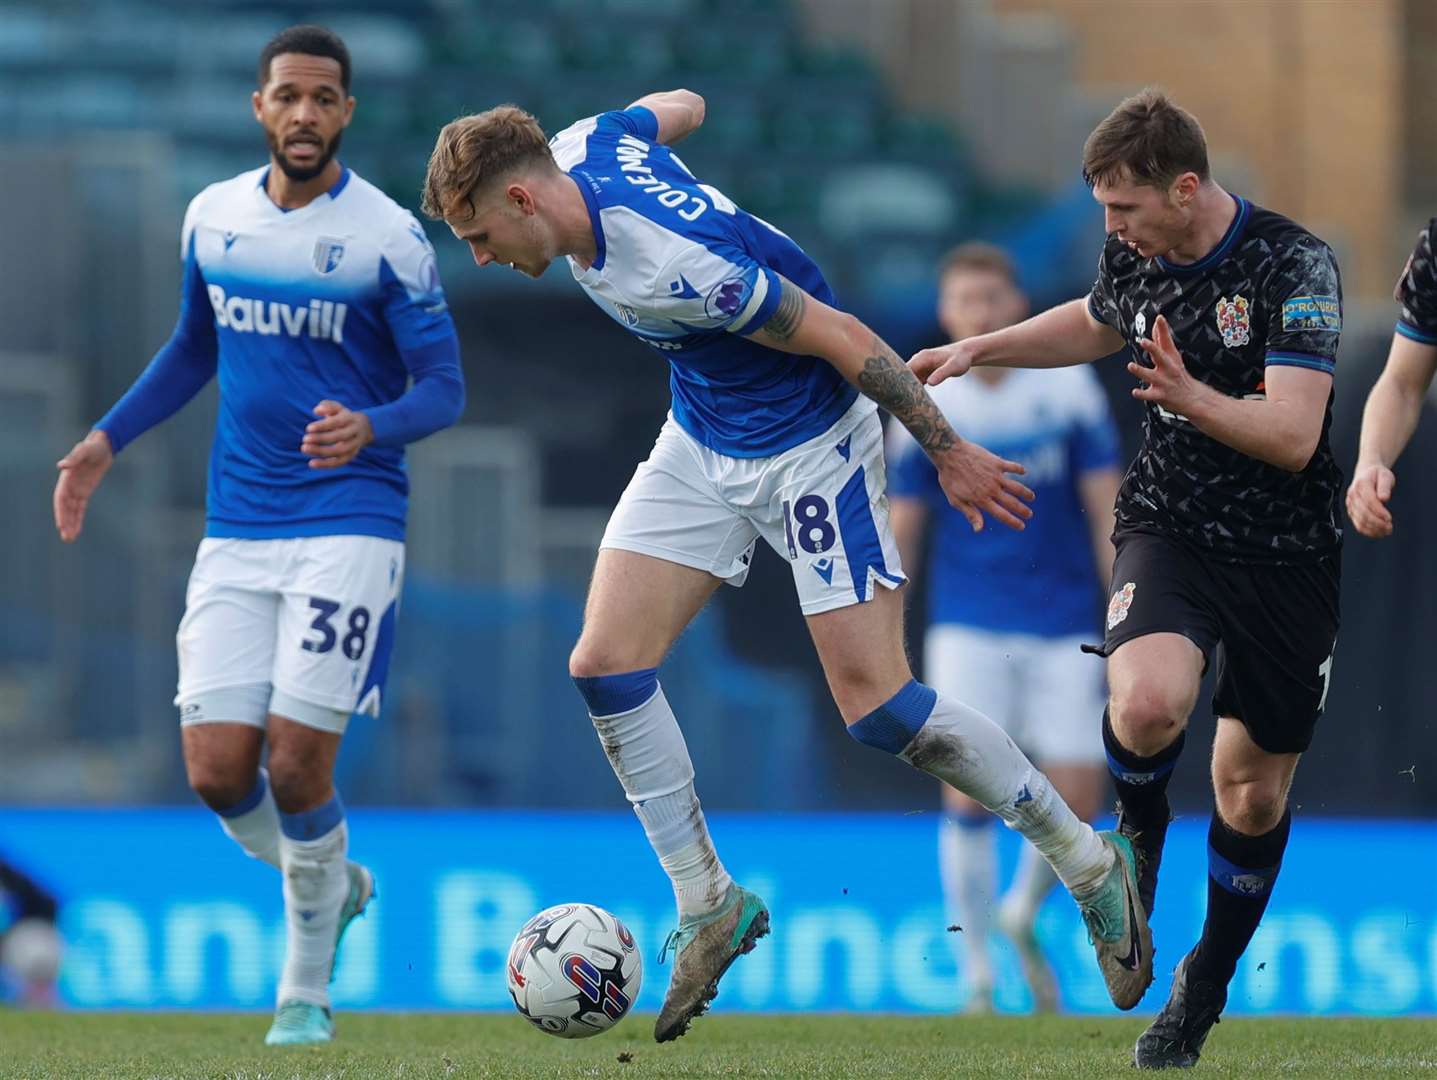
pixel 310 40
pixel 474 151
pixel 978 256
pixel 1148 138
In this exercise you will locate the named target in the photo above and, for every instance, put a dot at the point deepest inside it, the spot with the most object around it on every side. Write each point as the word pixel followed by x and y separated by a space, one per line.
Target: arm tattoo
pixel 789 313
pixel 887 380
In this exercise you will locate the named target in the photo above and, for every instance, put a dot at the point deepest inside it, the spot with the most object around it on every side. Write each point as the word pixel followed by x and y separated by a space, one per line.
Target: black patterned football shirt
pixel 1268 294
pixel 1417 291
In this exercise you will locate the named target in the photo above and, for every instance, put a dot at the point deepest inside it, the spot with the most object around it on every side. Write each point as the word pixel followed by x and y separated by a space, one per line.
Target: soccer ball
pixel 574 970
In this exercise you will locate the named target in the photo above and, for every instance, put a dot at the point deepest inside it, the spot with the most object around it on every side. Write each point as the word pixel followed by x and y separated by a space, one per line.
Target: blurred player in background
pixel 774 433
pixel 1227 538
pixel 1008 611
pixel 30 943
pixel 316 300
pixel 1395 404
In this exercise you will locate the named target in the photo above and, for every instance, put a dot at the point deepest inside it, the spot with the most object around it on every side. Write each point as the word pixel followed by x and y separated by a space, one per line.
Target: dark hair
pixel 474 151
pixel 311 41
pixel 980 257
pixel 1147 138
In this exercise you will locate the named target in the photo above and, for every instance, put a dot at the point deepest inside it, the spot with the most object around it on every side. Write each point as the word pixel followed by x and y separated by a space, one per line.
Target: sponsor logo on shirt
pixel 1233 321
pixel 1312 313
pixel 322 319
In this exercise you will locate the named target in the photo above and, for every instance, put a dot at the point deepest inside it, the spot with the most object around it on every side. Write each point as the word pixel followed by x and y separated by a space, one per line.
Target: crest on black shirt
pixel 1233 322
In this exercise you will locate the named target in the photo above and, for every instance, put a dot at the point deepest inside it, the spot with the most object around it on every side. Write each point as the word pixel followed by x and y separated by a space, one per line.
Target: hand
pixel 335 438
pixel 975 482
pixel 81 471
pixel 932 366
pixel 1367 500
pixel 1168 381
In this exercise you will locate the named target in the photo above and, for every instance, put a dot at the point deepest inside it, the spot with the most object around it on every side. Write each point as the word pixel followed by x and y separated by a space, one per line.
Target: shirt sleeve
pixel 415 308
pixel 183 365
pixel 423 330
pixel 1417 291
pixel 1102 304
pixel 636 120
pixel 1304 303
pixel 1094 438
pixel 716 288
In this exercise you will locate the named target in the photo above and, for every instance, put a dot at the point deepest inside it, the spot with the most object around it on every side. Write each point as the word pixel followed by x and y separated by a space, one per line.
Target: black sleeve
pixel 1102 303
pixel 1417 291
pixel 1304 301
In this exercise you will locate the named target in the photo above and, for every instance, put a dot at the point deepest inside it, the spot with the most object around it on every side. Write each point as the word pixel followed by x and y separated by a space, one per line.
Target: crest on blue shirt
pixel 328 253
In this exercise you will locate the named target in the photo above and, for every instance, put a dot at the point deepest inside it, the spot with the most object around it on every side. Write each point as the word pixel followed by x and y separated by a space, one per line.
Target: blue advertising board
pixel 162 911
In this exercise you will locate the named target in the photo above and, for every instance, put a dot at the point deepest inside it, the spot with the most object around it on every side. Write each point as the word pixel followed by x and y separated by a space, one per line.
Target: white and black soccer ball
pixel 574 970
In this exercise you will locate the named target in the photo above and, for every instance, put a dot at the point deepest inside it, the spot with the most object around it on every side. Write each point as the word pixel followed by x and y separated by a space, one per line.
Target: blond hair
pixel 473 151
pixel 978 256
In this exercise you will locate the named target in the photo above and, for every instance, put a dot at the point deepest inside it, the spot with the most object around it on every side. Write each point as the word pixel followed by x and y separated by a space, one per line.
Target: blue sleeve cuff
pixel 1303 360
pixel 1094 312
pixel 1407 330
pixel 434 402
pixel 643 122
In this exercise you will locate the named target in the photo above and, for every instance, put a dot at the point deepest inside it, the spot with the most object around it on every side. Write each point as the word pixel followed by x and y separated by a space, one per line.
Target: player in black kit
pixel 1395 403
pixel 1227 530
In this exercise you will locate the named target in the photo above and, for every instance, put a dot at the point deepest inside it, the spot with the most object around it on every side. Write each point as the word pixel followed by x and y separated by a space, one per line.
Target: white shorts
pixel 302 628
pixel 1042 691
pixel 820 504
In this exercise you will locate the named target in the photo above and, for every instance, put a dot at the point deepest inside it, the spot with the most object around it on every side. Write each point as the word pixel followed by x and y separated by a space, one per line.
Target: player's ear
pixel 348 111
pixel 256 99
pixel 522 201
pixel 1185 187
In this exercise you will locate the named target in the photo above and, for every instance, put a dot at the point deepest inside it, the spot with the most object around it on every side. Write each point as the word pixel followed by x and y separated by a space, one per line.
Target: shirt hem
pixel 363 525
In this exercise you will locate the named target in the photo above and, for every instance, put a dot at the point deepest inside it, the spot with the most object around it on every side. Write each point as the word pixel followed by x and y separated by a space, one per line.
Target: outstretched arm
pixel 1388 422
pixel 679 112
pixel 974 480
pixel 1059 337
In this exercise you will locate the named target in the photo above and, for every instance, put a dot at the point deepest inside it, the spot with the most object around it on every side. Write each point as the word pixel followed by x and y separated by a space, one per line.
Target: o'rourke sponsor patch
pixel 1312 313
pixel 1118 606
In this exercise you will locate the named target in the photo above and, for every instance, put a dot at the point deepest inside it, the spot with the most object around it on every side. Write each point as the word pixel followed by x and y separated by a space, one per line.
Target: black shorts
pixel 1274 628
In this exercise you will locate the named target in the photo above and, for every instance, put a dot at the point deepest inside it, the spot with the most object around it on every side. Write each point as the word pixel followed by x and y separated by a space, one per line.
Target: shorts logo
pixel 1233 321
pixel 726 299
pixel 824 569
pixel 328 253
pixel 1118 606
pixel 1312 313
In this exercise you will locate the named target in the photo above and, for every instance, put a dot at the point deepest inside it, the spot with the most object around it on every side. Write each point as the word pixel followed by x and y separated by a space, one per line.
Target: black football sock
pixel 1141 782
pixel 1241 873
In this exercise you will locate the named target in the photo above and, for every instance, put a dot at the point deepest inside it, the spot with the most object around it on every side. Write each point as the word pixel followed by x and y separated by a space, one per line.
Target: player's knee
pixel 594 658
pixel 1250 807
pixel 1147 716
pixel 858 691
pixel 219 785
pixel 298 778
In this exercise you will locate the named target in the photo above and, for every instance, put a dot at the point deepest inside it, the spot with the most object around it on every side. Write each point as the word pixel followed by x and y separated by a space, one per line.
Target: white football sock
pixel 964 748
pixel 968 867
pixel 649 756
pixel 316 883
pixel 256 827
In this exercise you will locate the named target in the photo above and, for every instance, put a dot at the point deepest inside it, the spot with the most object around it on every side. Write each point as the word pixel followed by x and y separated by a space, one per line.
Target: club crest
pixel 1233 321
pixel 1118 606
pixel 328 253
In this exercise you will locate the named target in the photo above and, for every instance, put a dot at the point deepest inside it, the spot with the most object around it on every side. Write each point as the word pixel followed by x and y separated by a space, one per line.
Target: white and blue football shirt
pixel 339 299
pixel 689 273
pixel 1043 580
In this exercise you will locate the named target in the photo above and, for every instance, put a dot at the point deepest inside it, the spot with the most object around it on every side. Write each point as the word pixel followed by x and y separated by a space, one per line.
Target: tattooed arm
pixel 974 480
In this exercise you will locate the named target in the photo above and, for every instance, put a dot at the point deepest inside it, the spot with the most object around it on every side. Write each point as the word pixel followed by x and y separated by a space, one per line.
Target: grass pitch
pixel 399 1046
